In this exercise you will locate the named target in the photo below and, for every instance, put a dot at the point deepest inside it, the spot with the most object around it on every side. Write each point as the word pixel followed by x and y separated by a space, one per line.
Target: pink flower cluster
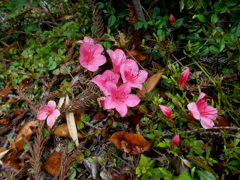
pixel 118 98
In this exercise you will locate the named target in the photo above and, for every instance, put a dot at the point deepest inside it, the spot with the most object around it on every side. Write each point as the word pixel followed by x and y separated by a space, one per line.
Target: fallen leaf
pixel 5 120
pixel 137 55
pixel 62 130
pixel 27 130
pixel 52 164
pixel 151 83
pixel 130 143
pixel 92 165
pixel 78 116
pixel 71 124
pixel 4 93
pixel 3 151
pixel 10 164
pixel 99 116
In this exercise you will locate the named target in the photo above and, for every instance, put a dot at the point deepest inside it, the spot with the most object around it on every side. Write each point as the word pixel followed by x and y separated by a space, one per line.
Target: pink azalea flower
pixel 91 57
pixel 166 111
pixel 50 112
pixel 201 111
pixel 120 98
pixel 131 73
pixel 107 76
pixel 118 58
pixel 172 19
pixel 86 40
pixel 175 140
pixel 183 78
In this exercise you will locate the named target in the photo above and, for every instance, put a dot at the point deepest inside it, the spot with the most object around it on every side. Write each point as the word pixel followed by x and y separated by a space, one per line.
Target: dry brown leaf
pixel 3 151
pixel 4 93
pixel 130 143
pixel 150 84
pixel 11 165
pixel 99 116
pixel 52 164
pixel 27 130
pixel 78 116
pixel 137 55
pixel 71 124
pixel 62 130
pixel 5 120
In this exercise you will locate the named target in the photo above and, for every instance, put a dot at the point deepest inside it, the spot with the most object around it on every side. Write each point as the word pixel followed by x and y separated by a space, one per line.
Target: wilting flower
pixel 175 140
pixel 118 58
pixel 50 112
pixel 120 98
pixel 172 19
pixel 91 57
pixel 183 78
pixel 131 73
pixel 166 111
pixel 107 76
pixel 86 40
pixel 201 111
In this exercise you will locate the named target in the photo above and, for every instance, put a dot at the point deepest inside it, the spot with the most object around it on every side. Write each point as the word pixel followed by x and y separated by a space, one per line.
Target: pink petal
pixel 194 109
pixel 56 113
pixel 122 109
pixel 43 108
pixel 201 96
pixel 52 105
pixel 50 120
pixel 42 115
pixel 206 122
pixel 110 103
pixel 183 78
pixel 132 100
pixel 88 40
pixel 210 112
pixel 126 88
pixel 97 49
pixel 98 81
pixel 111 87
pixel 166 111
pixel 118 58
pixel 175 140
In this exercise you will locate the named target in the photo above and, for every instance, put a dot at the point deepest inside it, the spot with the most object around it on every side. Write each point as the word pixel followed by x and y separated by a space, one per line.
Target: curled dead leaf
pixel 11 165
pixel 151 83
pixel 52 164
pixel 130 143
pixel 63 131
pixel 4 93
pixel 27 130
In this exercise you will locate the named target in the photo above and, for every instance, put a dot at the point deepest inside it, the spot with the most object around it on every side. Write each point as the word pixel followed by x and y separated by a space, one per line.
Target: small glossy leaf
pixel 52 65
pixel 138 25
pixel 205 175
pixel 222 44
pixel 201 18
pixel 213 49
pixel 70 147
pixel 112 19
pixel 214 18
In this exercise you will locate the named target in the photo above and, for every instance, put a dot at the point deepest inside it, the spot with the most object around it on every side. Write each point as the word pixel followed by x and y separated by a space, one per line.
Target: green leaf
pixel 205 175
pixel 213 49
pixel 44 132
pixel 86 118
pixel 80 125
pixel 214 18
pixel 25 148
pixel 161 34
pixel 52 65
pixel 70 147
pixel 112 19
pixel 178 23
pixel 184 176
pixel 222 45
pixel 143 161
pixel 73 173
pixel 138 25
pixel 87 153
pixel 201 18
pixel 106 44
pixel 192 37
pixel 181 5
pixel 196 160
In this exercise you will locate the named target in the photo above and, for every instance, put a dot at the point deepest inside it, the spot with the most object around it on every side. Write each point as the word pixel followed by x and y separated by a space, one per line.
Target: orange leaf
pixel 99 116
pixel 130 143
pixel 4 93
pixel 52 164
pixel 10 164
pixel 137 55
pixel 5 120
pixel 150 84
pixel 27 130
pixel 62 130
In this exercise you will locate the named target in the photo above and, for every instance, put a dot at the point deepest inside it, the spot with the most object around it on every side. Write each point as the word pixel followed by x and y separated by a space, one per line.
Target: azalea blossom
pixel 172 19
pixel 118 58
pixel 175 140
pixel 86 40
pixel 50 112
pixel 201 111
pixel 91 57
pixel 166 111
pixel 183 78
pixel 131 73
pixel 120 98
pixel 107 76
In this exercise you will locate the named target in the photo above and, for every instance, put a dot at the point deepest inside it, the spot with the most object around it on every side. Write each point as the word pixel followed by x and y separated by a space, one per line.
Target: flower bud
pixel 175 140
pixel 166 111
pixel 183 78
pixel 172 19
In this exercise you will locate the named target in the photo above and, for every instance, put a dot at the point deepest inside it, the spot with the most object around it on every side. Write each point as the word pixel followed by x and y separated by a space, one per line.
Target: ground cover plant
pixel 120 89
